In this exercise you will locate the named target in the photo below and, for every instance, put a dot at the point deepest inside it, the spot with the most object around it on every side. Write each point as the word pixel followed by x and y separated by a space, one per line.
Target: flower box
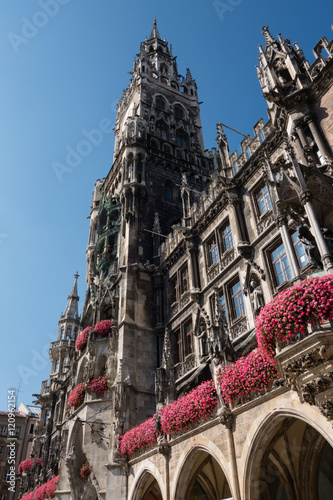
pixel 76 397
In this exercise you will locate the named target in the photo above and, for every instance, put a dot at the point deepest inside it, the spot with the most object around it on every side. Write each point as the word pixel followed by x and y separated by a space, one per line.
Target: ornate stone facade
pixel 185 248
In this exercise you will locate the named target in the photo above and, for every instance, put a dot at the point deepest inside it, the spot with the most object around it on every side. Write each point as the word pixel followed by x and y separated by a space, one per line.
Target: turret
pixel 282 70
pixel 62 349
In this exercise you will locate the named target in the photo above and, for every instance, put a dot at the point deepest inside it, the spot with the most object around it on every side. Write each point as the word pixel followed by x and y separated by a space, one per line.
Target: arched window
pixel 181 139
pixel 69 333
pixel 161 131
pixel 179 112
pixel 168 192
pixel 160 103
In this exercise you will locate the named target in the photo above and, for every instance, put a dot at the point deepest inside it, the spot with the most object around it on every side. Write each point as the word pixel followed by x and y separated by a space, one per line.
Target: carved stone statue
pixel 256 296
pixel 310 246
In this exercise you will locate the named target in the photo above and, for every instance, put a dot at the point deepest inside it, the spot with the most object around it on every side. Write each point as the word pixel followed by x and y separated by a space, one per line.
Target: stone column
pixel 300 132
pixel 193 268
pixel 325 255
pixel 317 136
pixel 299 147
pixel 234 202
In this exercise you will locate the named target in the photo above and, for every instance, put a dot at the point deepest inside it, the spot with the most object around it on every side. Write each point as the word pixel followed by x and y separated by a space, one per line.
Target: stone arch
pixel 148 477
pixel 283 452
pixel 201 466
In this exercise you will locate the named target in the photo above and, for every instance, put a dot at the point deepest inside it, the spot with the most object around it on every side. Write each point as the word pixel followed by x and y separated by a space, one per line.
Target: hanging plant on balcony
pixel 26 465
pixel 44 491
pixel 40 493
pixel 51 487
pixel 98 385
pixel 198 405
pixel 82 339
pixel 76 397
pixel 289 313
pixel 29 496
pixel 103 327
pixel 138 437
pixel 85 470
pixel 250 375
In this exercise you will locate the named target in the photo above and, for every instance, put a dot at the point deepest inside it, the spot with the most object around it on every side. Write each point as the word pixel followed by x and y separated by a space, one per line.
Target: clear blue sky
pixel 64 76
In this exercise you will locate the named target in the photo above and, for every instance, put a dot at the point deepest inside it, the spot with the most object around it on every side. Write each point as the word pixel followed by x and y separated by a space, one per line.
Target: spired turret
pixel 283 69
pixel 61 351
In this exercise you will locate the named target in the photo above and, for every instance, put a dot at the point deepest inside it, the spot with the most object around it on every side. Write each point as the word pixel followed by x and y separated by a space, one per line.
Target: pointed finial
pixel 154 32
pixel 268 37
pixel 188 75
pixel 76 275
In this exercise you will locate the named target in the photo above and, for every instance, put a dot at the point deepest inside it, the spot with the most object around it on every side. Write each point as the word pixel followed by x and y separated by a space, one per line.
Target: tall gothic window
pixel 181 139
pixel 263 200
pixel 179 112
pixel 237 300
pixel 168 192
pixel 300 250
pixel 160 103
pixel 281 265
pixel 213 251
pixel 226 234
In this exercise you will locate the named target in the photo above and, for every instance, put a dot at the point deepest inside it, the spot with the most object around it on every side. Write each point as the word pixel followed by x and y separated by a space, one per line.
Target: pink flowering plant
pixel 44 491
pixel 51 487
pixel 85 470
pixel 98 385
pixel 287 315
pixel 40 493
pixel 82 339
pixel 103 327
pixel 138 437
pixel 76 397
pixel 27 464
pixel 29 496
pixel 250 375
pixel 197 405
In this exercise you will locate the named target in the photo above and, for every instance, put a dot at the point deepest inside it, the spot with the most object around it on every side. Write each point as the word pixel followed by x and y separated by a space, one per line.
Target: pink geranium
pixel 40 493
pixel 195 406
pixel 289 313
pixel 51 487
pixel 85 470
pixel 138 437
pixel 250 375
pixel 27 464
pixel 82 339
pixel 29 496
pixel 103 327
pixel 98 385
pixel 76 397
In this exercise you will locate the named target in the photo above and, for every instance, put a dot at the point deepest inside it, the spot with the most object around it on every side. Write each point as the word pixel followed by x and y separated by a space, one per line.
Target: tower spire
pixel 72 310
pixel 154 32
pixel 269 40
